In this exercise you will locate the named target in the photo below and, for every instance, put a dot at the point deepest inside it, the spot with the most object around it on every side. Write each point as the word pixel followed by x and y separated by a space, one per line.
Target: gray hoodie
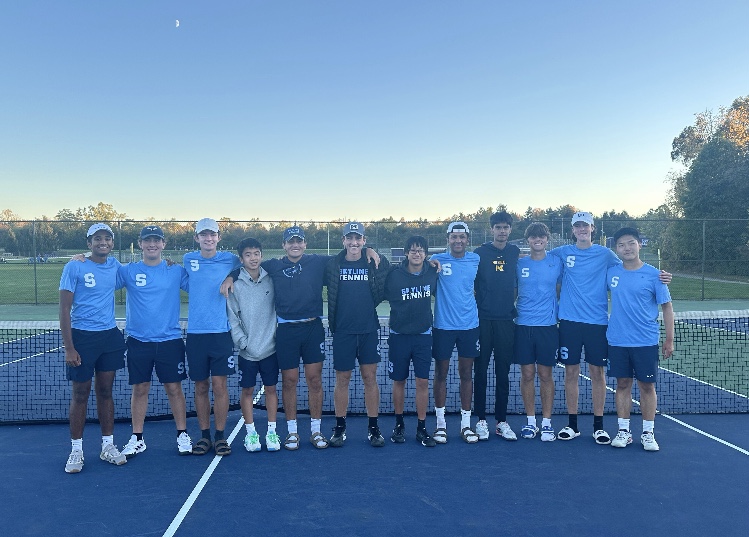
pixel 252 316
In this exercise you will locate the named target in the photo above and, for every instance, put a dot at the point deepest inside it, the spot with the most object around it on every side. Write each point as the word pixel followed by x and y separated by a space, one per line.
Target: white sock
pixel 315 425
pixel 624 424
pixel 106 440
pixel 440 411
pixel 546 422
pixel 76 443
pixel 465 418
pixel 291 426
pixel 531 421
pixel 647 426
pixel 271 427
pixel 249 427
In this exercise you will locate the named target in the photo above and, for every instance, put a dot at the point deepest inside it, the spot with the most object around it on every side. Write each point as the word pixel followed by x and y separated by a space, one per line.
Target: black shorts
pixel 444 341
pixel 640 362
pixel 573 336
pixel 100 350
pixel 405 348
pixel 295 340
pixel 267 368
pixel 536 344
pixel 347 348
pixel 167 357
pixel 210 355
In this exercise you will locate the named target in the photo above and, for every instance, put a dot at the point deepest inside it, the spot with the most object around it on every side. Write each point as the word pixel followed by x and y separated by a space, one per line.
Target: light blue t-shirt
pixel 635 296
pixel 455 304
pixel 537 290
pixel 206 310
pixel 93 286
pixel 584 298
pixel 153 300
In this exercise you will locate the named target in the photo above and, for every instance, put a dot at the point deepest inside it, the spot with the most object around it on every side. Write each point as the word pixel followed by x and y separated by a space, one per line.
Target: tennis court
pixel 696 484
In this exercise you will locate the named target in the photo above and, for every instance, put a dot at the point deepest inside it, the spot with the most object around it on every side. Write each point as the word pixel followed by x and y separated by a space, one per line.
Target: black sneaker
pixel 399 434
pixel 423 436
pixel 375 438
pixel 339 436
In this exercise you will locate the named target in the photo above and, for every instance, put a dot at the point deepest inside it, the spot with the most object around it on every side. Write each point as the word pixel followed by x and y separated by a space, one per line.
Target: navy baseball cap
pixel 353 227
pixel 294 231
pixel 151 231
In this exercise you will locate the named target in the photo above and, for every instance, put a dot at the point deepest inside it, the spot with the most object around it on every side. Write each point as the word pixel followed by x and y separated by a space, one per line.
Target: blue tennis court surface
pixel 694 486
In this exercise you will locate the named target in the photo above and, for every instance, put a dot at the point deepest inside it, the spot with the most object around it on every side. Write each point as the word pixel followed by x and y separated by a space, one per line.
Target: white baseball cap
pixel 206 224
pixel 457 227
pixel 582 216
pixel 98 227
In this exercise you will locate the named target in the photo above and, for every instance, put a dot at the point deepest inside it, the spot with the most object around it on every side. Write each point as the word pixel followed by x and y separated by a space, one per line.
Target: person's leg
pixel 177 403
pixel 598 387
pixel 571 387
pixel 371 389
pixel 313 376
pixel 245 403
pixel 399 395
pixel 422 398
pixel 104 381
pixel 546 381
pixel 271 402
pixel 139 405
pixel 481 366
pixel 203 404
pixel 465 369
pixel 220 401
pixel 340 393
pixel 289 382
pixel 503 343
pixel 78 407
pixel 648 400
pixel 441 368
pixel 528 388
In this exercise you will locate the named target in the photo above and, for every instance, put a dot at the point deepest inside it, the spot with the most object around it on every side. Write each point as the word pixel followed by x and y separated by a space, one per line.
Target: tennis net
pixel 708 373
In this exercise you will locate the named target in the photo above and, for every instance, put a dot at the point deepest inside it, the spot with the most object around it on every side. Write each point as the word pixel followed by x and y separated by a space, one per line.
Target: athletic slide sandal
pixel 318 440
pixel 222 448
pixel 202 447
pixel 602 437
pixel 567 433
pixel 469 435
pixel 440 435
pixel 292 441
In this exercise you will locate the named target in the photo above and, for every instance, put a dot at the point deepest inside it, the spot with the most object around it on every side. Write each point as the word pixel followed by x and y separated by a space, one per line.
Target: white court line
pixel 703 382
pixel 174 526
pixel 683 424
pixel 32 356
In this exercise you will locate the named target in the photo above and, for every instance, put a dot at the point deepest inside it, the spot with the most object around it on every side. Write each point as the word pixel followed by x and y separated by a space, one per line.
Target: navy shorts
pixel 638 362
pixel 100 350
pixel 405 348
pixel 536 344
pixel 167 357
pixel 347 348
pixel 573 336
pixel 210 355
pixel 444 341
pixel 267 368
pixel 295 340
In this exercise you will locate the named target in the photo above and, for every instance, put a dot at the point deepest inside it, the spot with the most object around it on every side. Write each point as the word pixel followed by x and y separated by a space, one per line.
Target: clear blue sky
pixel 305 109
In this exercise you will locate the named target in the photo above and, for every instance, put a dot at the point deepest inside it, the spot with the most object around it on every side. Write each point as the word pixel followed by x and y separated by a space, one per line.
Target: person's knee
pixel 201 388
pixel 142 389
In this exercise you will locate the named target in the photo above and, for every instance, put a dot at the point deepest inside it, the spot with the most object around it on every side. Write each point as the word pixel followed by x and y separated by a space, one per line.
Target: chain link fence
pixel 709 258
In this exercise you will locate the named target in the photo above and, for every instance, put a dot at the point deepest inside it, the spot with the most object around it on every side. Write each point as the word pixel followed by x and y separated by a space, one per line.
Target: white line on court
pixel 684 424
pixel 180 517
pixel 702 382
pixel 32 356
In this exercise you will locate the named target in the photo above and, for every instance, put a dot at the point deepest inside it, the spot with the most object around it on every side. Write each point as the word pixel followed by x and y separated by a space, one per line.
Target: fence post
pixel 33 253
pixel 703 259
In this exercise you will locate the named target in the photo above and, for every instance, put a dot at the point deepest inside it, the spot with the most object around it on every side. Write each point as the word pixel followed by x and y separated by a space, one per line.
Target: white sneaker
pixel 622 439
pixel 482 429
pixel 505 431
pixel 75 462
pixel 272 442
pixel 184 444
pixel 111 454
pixel 252 442
pixel 648 441
pixel 133 447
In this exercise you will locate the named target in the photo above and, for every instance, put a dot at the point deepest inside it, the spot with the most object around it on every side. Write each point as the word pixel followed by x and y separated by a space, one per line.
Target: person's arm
pixel 436 264
pixel 665 277
pixel 372 256
pixel 227 286
pixel 238 332
pixel 72 358
pixel 668 324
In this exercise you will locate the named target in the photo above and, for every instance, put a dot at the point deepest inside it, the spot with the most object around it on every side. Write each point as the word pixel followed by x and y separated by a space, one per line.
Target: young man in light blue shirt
pixel 633 334
pixel 154 336
pixel 456 324
pixel 94 346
